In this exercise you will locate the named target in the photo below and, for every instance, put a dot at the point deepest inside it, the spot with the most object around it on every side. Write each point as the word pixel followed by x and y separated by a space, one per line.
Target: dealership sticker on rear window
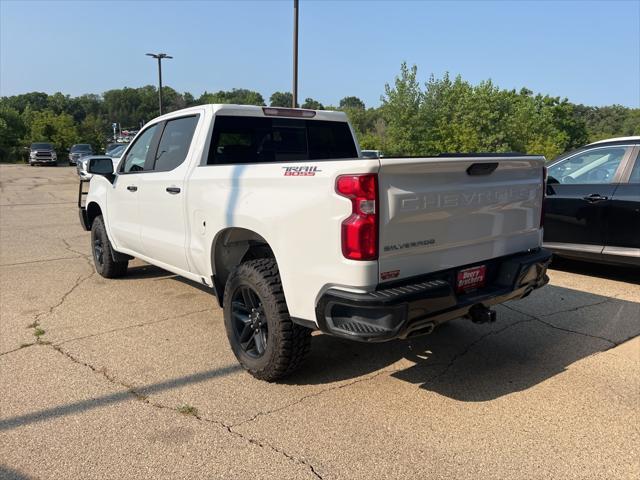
pixel 301 171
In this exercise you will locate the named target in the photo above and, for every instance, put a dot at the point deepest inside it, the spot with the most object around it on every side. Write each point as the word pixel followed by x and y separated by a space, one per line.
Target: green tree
pixel 58 129
pixel 238 96
pixel 12 130
pixel 94 130
pixel 351 103
pixel 281 99
pixel 401 112
pixel 312 104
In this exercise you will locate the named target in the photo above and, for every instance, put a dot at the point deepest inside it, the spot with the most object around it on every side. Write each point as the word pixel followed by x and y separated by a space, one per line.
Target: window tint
pixel 137 154
pixel 261 140
pixel 175 142
pixel 592 166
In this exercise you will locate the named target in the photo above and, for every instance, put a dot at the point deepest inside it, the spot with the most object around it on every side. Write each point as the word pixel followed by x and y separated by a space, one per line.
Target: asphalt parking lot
pixel 133 378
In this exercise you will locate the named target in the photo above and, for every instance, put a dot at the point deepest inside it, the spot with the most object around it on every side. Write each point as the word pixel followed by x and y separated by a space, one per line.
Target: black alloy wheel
pixel 249 321
pixel 98 250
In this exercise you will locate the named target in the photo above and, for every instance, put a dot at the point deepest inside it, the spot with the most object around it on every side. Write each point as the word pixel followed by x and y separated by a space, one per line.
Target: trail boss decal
pixel 301 171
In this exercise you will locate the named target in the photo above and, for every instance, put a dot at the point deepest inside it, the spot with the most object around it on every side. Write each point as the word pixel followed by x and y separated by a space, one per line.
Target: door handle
pixel 595 197
pixel 173 190
pixel 132 188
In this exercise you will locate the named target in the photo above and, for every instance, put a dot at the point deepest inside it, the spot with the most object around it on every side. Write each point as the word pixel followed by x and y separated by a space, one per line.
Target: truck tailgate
pixel 439 213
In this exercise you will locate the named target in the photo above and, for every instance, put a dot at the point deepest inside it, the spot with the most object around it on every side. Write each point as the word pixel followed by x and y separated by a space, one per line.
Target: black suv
pixel 592 208
pixel 78 151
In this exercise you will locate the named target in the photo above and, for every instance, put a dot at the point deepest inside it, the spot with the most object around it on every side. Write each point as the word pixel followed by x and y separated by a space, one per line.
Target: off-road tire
pixel 104 263
pixel 287 343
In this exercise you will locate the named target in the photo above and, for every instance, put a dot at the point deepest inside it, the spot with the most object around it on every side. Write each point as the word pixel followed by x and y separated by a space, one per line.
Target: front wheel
pixel 262 336
pixel 102 252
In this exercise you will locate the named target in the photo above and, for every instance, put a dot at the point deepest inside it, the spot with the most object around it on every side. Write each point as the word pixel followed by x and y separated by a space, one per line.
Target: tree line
pixel 414 118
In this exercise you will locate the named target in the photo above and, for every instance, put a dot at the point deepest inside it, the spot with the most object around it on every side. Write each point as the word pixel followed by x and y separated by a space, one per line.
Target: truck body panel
pixel 435 215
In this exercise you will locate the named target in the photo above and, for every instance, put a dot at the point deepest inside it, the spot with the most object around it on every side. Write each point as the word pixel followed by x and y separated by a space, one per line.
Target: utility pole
pixel 294 100
pixel 159 56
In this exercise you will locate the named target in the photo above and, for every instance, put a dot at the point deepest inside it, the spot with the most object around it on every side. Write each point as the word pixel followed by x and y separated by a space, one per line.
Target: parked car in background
pixel 111 146
pixel 42 153
pixel 592 208
pixel 371 153
pixel 78 151
pixel 82 164
pixel 116 150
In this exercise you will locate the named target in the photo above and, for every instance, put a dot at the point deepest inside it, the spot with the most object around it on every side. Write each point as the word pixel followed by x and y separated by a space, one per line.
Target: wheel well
pixel 93 211
pixel 232 247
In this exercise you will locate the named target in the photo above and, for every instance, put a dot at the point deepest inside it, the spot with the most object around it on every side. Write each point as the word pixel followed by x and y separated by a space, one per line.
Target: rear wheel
pixel 262 336
pixel 102 252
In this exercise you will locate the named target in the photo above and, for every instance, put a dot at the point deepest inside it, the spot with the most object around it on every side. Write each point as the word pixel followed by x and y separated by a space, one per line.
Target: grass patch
pixel 38 332
pixel 186 409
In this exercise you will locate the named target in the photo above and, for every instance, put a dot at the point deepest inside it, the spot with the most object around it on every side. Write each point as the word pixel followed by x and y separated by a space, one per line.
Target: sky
pixel 587 51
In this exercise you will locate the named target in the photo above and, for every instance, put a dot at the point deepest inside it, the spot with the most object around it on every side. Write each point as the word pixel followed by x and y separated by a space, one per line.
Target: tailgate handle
pixel 482 168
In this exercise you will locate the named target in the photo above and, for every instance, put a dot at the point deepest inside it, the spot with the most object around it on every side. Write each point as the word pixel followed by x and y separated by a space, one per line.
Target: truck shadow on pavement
pixel 533 340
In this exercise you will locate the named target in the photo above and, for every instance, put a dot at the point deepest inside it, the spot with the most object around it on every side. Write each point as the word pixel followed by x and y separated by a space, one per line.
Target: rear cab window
pixel 238 139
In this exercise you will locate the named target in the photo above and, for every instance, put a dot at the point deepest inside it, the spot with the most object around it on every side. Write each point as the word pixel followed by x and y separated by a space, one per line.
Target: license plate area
pixel 471 279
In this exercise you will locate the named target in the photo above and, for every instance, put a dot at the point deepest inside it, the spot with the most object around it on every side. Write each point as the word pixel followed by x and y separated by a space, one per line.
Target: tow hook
pixel 481 314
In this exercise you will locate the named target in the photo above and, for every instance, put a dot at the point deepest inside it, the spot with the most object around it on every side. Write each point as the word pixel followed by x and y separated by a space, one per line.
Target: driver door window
pixel 137 154
pixel 597 166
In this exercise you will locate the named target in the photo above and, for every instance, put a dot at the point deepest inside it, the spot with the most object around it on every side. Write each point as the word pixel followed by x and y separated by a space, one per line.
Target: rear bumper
pixel 415 306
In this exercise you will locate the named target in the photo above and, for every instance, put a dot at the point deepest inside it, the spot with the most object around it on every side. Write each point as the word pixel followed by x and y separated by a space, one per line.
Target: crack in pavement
pixel 24 345
pixel 573 309
pixel 33 204
pixel 143 324
pixel 38 261
pixel 137 395
pixel 313 395
pixel 38 317
pixel 470 346
pixel 556 327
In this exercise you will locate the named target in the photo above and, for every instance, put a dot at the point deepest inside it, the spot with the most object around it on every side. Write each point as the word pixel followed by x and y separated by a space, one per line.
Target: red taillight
pixel 544 194
pixel 360 230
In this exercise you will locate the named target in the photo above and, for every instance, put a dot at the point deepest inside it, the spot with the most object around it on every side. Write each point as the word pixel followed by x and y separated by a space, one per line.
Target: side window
pixel 137 154
pixel 635 172
pixel 598 165
pixel 174 143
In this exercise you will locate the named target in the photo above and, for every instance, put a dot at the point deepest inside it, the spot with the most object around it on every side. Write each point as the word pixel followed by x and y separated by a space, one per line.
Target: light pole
pixel 159 56
pixel 294 100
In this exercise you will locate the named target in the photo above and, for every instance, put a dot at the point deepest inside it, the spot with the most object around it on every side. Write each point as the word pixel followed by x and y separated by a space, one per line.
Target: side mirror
pixel 101 166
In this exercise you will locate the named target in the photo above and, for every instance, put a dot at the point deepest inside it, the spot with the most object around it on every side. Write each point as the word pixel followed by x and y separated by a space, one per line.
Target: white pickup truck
pixel 276 211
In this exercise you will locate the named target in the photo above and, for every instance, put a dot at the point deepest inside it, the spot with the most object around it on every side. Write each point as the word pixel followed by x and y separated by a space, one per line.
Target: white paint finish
pixel 300 218
pixel 123 214
pixel 476 218
pixel 434 216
